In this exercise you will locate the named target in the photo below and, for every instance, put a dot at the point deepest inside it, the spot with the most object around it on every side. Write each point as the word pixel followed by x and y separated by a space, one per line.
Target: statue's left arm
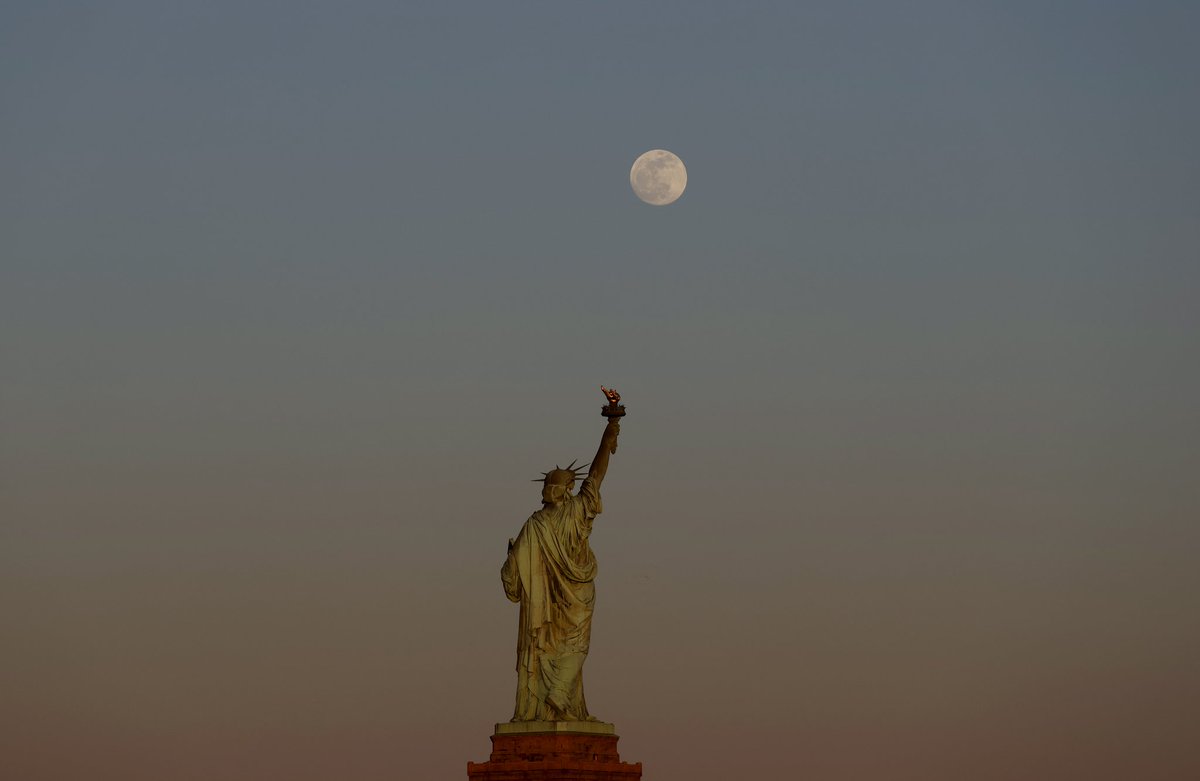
pixel 510 576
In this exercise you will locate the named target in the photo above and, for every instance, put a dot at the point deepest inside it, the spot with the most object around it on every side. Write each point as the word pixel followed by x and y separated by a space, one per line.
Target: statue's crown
pixel 560 476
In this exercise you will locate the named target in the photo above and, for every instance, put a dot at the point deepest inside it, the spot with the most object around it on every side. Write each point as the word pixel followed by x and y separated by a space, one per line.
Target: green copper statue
pixel 549 570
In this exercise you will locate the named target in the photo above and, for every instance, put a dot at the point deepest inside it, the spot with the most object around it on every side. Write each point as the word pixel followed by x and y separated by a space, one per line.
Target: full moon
pixel 658 177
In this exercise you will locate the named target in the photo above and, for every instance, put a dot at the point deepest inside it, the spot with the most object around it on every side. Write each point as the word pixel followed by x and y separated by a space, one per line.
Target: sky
pixel 296 298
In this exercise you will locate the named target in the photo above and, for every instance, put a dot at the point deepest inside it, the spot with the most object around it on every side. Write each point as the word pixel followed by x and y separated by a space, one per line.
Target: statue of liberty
pixel 550 570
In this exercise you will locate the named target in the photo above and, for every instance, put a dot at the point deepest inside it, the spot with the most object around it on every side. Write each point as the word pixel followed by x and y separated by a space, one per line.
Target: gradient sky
pixel 295 298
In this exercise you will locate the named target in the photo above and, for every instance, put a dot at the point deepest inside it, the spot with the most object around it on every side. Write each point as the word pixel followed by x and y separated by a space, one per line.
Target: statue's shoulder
pixel 552 517
pixel 541 516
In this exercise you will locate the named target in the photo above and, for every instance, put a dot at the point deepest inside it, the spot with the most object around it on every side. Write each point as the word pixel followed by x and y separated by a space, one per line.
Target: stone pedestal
pixel 554 751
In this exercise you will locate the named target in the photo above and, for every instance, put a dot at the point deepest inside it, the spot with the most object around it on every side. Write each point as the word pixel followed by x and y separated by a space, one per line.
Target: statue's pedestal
pixel 554 751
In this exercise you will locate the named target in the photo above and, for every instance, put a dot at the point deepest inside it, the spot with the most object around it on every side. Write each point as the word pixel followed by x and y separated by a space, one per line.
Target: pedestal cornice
pixel 554 751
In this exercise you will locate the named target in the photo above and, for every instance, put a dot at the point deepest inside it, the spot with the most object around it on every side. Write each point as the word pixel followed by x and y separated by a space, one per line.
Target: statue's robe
pixel 550 570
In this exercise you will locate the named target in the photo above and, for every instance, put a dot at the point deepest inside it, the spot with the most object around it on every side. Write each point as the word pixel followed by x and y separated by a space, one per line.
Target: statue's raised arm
pixel 614 411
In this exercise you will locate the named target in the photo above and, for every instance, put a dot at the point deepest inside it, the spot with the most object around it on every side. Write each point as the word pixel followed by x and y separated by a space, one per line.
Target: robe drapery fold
pixel 550 570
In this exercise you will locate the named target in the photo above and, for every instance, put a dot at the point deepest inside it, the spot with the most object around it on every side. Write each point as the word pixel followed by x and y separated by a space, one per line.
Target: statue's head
pixel 558 483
